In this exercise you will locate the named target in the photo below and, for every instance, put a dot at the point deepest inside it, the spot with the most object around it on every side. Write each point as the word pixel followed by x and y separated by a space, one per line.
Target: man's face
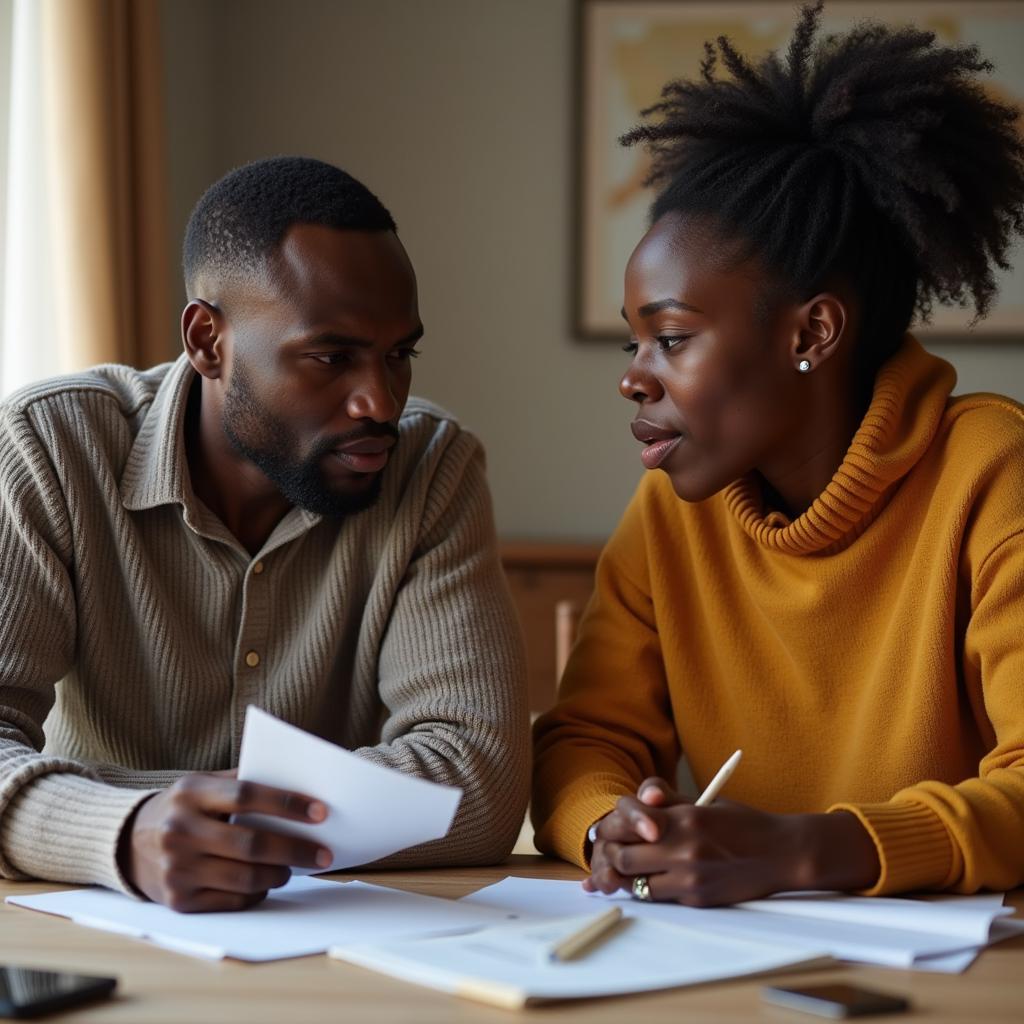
pixel 319 366
pixel 711 373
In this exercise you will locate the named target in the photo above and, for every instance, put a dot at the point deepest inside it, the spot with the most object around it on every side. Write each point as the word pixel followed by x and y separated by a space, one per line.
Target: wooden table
pixel 159 986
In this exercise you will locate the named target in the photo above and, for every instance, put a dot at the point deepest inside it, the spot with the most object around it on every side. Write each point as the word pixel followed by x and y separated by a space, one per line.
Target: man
pixel 267 520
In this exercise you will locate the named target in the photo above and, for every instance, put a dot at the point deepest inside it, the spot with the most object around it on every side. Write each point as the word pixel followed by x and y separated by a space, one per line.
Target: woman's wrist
pixel 836 852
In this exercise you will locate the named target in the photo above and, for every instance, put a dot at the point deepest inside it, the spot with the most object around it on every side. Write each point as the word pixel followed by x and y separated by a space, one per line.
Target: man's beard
pixel 270 445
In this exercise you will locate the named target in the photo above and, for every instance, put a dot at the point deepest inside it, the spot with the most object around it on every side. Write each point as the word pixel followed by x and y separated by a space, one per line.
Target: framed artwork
pixel 628 49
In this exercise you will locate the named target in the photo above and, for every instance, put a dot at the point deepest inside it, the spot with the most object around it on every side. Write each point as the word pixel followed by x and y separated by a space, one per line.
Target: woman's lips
pixel 655 453
pixel 658 441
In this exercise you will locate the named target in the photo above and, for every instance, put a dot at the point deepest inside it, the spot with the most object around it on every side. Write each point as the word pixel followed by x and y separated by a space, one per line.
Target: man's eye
pixel 331 358
pixel 630 348
pixel 403 355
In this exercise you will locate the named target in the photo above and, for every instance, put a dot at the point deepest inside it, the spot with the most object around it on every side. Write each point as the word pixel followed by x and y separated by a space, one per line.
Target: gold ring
pixel 641 889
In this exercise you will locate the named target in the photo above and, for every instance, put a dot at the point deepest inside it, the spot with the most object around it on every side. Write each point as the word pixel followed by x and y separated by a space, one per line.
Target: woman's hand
pixel 726 852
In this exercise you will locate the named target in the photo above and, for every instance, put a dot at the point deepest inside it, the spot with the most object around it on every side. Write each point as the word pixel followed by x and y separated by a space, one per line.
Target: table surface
pixel 159 986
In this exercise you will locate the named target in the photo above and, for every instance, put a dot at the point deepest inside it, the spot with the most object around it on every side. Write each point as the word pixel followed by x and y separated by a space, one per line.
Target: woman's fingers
pixel 653 858
pixel 631 821
pixel 656 792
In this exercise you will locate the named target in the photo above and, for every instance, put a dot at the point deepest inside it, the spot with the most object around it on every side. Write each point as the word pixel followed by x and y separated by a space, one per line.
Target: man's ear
pixel 818 329
pixel 203 330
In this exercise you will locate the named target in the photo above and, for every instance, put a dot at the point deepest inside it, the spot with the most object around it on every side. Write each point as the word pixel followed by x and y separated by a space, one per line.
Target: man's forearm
pixel 65 827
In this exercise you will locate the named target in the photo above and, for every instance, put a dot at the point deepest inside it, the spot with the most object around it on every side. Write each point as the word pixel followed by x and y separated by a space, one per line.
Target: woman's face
pixel 712 375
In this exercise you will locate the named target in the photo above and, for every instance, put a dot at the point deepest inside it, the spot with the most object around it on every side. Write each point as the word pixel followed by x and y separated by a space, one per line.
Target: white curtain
pixel 85 260
pixel 29 345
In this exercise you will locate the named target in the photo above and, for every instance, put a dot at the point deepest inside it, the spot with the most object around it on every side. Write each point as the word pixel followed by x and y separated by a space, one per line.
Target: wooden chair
pixel 567 616
pixel 550 583
pixel 567 620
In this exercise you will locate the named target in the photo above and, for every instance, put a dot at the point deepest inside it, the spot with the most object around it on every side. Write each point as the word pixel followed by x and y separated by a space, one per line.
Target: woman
pixel 825 566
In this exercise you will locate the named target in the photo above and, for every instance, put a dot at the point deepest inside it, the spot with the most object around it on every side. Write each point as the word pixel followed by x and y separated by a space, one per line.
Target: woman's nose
pixel 639 385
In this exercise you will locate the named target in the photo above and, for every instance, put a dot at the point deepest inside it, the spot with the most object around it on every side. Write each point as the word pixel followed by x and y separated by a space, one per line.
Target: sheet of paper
pixel 968 920
pixel 499 965
pixel 301 918
pixel 948 963
pixel 846 940
pixel 371 811
pixel 957 963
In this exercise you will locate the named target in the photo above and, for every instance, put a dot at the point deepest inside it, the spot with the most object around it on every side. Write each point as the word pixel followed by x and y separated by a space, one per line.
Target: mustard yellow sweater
pixel 867 656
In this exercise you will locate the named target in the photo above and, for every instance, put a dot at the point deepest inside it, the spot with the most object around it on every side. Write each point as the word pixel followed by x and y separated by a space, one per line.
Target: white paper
pixel 957 963
pixel 948 963
pixel 640 955
pixel 859 940
pixel 301 918
pixel 966 920
pixel 372 811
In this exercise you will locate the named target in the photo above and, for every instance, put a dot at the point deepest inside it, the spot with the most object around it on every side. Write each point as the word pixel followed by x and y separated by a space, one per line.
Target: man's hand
pixel 182 850
pixel 726 852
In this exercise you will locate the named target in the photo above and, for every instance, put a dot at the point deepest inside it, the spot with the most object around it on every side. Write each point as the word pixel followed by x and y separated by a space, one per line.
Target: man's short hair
pixel 240 221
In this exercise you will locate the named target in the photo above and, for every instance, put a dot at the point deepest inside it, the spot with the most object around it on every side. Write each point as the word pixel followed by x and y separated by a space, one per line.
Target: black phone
pixel 25 992
pixel 835 1000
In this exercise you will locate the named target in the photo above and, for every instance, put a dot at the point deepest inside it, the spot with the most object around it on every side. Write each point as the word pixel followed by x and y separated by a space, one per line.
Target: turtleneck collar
pixel 910 396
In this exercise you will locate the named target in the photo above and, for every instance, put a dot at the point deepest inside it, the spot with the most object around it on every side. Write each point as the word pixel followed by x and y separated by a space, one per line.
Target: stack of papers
pixel 941 934
pixel 494 944
pixel 507 965
pixel 304 917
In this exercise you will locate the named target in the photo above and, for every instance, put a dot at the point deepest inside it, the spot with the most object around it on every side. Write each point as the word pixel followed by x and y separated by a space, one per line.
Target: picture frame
pixel 628 49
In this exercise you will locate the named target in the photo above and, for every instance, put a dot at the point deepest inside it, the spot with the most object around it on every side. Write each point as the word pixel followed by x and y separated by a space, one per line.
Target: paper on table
pixel 846 940
pixel 301 918
pixel 496 965
pixel 947 963
pixel 966 920
pixel 957 963
pixel 372 811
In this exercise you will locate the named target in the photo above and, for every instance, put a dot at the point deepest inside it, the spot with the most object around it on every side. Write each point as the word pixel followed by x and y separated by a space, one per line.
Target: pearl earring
pixel 804 366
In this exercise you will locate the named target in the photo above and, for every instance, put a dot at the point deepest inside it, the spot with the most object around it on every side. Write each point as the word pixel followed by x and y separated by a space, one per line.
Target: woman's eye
pixel 667 342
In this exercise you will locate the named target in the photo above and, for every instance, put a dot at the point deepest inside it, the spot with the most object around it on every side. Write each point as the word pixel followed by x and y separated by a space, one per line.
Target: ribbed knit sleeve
pixel 970 836
pixel 57 820
pixel 452 670
pixel 612 726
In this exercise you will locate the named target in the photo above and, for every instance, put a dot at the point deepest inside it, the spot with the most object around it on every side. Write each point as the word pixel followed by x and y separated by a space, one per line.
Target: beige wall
pixel 459 113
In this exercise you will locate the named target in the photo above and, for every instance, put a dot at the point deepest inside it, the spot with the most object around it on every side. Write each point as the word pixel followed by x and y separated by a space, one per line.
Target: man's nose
pixel 372 397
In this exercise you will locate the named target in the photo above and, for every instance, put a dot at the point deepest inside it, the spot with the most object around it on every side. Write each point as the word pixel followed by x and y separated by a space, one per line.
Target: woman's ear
pixel 203 332
pixel 819 328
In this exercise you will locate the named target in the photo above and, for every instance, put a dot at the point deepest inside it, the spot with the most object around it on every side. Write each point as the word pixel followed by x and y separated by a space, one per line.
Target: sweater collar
pixel 156 472
pixel 910 396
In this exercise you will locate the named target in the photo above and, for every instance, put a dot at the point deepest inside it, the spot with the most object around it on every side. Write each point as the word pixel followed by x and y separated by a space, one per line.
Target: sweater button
pixel 252 659
pixel 257 568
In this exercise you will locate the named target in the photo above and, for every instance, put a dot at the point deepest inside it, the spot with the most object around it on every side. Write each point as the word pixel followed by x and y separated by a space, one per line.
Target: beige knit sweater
pixel 138 629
